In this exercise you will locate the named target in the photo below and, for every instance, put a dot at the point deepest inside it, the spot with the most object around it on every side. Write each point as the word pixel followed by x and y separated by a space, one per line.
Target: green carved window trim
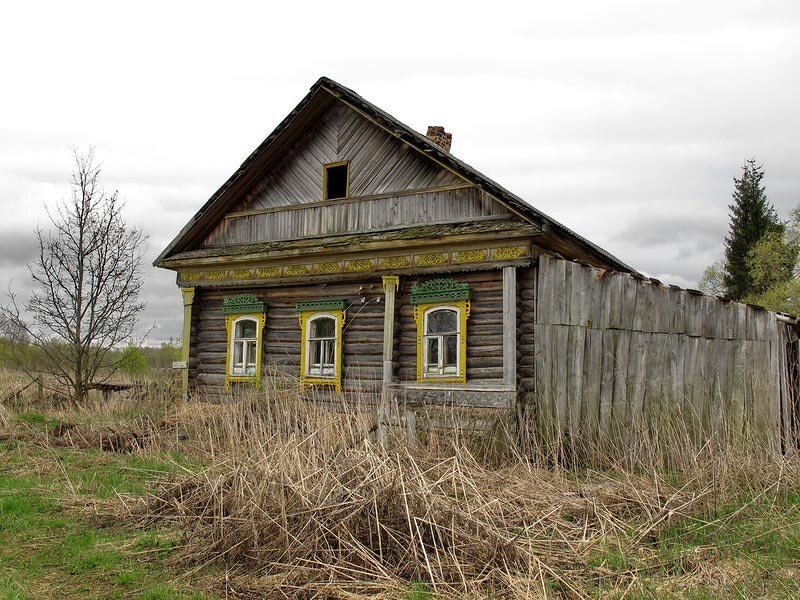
pixel 440 290
pixel 324 304
pixel 242 303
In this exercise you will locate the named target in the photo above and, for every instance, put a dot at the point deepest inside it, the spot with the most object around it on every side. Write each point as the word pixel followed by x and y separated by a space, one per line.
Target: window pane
pixel 251 353
pixel 443 321
pixel 238 351
pixel 315 350
pixel 245 329
pixel 323 327
pixel 432 363
pixel 321 358
pixel 450 351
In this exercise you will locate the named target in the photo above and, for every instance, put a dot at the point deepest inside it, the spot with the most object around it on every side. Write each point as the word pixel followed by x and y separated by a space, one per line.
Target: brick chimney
pixel 440 137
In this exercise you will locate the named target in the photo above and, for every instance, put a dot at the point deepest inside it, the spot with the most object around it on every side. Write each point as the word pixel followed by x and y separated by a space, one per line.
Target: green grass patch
pixel 45 546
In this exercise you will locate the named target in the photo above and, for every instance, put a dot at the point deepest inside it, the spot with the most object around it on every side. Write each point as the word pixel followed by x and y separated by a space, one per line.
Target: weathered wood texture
pixel 526 319
pixel 789 369
pixel 379 165
pixel 336 217
pixel 484 328
pixel 612 351
pixel 362 338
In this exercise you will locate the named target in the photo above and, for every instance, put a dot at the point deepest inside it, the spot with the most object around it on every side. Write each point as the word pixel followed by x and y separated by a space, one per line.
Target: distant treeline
pixel 135 362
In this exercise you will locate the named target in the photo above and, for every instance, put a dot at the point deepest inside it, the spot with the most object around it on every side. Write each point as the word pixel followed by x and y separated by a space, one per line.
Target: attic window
pixel 335 180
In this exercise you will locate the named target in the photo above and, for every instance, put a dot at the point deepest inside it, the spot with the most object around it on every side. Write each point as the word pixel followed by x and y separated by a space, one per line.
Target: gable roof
pixel 321 95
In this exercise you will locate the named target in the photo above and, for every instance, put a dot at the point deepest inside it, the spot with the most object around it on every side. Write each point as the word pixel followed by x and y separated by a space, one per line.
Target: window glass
pixel 433 353
pixel 450 351
pixel 323 327
pixel 246 329
pixel 443 321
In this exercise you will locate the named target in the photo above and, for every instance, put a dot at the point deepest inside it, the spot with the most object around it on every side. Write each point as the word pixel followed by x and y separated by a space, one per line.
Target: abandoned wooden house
pixel 358 256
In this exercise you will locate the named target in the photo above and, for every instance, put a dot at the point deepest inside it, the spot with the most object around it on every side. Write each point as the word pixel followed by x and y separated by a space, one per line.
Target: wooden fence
pixel 613 351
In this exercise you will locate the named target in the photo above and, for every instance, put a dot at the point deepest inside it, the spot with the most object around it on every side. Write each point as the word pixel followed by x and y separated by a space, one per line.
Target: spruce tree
pixel 752 218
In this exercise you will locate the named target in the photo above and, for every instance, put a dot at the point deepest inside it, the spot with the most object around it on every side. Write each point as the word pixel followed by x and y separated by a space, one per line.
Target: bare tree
pixel 88 279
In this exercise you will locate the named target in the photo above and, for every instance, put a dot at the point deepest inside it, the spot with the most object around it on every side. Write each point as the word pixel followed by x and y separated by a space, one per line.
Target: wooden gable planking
pixel 379 163
pixel 335 217
pixel 391 184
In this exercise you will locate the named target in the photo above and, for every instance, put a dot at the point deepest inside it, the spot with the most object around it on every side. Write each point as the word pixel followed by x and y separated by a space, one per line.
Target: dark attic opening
pixel 335 181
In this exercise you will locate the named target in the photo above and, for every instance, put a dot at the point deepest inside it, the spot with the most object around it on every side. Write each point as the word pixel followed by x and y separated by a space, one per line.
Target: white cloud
pixel 626 121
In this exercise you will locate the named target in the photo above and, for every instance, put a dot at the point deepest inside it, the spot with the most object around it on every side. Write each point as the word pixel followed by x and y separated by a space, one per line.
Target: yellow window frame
pixel 420 310
pixel 336 379
pixel 325 167
pixel 230 320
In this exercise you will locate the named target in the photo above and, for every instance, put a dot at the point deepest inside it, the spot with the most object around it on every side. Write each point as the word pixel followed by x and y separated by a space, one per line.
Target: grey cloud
pixel 17 247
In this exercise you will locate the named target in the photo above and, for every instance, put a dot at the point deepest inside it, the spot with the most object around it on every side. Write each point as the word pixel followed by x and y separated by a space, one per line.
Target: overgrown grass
pixel 51 548
pixel 292 499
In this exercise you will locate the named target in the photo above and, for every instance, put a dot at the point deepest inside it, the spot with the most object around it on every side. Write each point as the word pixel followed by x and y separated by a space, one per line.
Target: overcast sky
pixel 626 121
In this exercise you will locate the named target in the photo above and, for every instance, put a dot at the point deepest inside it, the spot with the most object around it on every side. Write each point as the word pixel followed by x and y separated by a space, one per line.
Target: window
pixel 245 346
pixel 321 324
pixel 321 349
pixel 441 310
pixel 441 342
pixel 335 180
pixel 244 320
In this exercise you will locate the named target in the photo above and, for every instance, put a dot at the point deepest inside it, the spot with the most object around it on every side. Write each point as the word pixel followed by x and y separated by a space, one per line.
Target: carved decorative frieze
pixel 509 252
pixel 395 262
pixel 431 259
pixel 439 290
pixel 362 264
pixel 466 256
pixel 325 304
pixel 296 270
pixel 475 256
pixel 266 272
pixel 240 273
pixel 328 267
pixel 242 303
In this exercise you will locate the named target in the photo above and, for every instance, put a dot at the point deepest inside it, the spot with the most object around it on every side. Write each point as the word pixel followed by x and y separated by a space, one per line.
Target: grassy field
pixel 266 497
pixel 52 547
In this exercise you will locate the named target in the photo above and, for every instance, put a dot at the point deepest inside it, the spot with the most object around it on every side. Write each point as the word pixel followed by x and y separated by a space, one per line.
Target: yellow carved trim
pixel 509 252
pixel 305 379
pixel 296 270
pixel 395 262
pixel 387 279
pixel 260 319
pixel 464 308
pixel 240 273
pixel 268 272
pixel 431 259
pixel 328 267
pixel 214 275
pixel 470 255
pixel 362 264
pixel 192 275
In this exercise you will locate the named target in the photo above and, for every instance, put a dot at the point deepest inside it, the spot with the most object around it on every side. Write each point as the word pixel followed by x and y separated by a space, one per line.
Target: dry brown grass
pixel 298 501
pixel 294 499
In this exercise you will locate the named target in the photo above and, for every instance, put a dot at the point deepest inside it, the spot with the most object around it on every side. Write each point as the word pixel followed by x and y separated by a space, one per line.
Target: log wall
pixel 484 328
pixel 362 338
pixel 610 350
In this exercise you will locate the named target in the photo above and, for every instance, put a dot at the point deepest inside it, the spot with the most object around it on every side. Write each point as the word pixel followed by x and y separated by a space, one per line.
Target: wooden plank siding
pixel 611 351
pixel 335 217
pixel 379 164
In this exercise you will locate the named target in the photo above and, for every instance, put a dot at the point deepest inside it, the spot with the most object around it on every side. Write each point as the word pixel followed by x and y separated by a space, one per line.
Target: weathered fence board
pixel 611 351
